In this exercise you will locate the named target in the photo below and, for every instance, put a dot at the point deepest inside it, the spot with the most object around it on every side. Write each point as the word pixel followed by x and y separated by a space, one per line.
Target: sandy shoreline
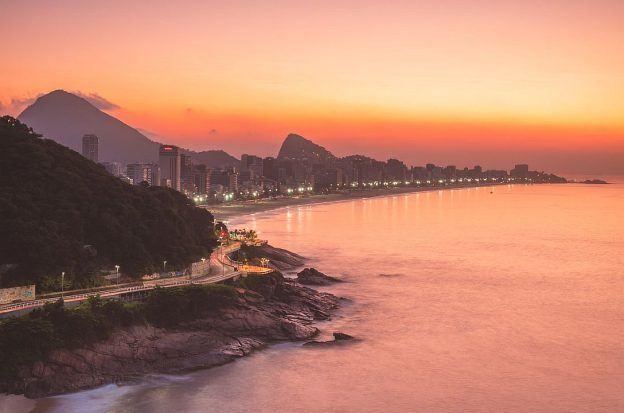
pixel 236 210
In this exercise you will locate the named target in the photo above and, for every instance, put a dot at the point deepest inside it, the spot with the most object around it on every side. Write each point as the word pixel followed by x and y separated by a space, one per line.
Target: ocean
pixel 491 299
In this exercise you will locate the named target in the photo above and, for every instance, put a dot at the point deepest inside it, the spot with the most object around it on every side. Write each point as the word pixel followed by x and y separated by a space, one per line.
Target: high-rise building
pixel 252 163
pixel 520 171
pixel 219 177
pixel 113 168
pixel 233 181
pixel 90 147
pixel 169 161
pixel 270 169
pixel 450 172
pixel 143 172
pixel 186 173
pixel 419 173
pixel 396 170
pixel 201 179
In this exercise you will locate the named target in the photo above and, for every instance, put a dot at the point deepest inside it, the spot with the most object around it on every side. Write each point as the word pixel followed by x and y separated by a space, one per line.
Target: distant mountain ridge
pixel 299 148
pixel 65 118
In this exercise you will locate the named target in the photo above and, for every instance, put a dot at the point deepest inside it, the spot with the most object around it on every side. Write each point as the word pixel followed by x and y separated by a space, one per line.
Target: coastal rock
pixel 390 275
pixel 311 276
pixel 338 339
pixel 279 258
pixel 595 182
pixel 231 332
pixel 342 336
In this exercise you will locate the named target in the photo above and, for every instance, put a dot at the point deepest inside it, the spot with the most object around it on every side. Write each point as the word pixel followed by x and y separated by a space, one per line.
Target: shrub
pixel 30 338
pixel 168 307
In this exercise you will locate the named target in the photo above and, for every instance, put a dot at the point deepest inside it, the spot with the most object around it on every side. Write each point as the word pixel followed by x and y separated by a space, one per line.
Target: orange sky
pixel 489 82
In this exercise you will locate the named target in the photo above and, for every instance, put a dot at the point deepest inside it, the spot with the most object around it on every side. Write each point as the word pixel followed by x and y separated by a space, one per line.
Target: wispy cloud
pixel 24 101
pixel 98 101
pixel 16 105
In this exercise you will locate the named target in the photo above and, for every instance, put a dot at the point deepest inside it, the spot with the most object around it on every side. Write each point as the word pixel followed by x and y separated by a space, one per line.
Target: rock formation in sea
pixel 279 258
pixel 312 276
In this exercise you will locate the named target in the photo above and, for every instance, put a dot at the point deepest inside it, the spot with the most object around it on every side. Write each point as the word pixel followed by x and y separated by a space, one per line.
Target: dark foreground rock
pixel 311 276
pixel 268 309
pixel 338 339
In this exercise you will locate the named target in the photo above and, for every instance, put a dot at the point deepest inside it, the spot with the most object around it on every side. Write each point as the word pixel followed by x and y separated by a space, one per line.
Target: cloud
pixel 97 100
pixel 23 102
pixel 15 106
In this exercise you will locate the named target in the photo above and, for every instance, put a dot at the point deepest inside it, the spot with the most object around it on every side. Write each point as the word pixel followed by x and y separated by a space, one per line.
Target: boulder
pixel 311 276
pixel 338 339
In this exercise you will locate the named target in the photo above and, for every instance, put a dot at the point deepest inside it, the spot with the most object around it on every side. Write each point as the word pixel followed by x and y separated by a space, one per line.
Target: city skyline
pixel 422 83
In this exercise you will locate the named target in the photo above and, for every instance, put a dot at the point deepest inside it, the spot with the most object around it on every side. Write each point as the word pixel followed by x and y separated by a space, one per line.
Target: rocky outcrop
pixel 273 309
pixel 312 276
pixel 298 148
pixel 279 258
pixel 338 339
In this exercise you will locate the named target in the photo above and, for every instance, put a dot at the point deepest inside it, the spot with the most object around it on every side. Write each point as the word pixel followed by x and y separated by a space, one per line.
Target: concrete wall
pixel 24 293
pixel 199 268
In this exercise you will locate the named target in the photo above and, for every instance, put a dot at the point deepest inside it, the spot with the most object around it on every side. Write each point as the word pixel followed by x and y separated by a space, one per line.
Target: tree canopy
pixel 62 212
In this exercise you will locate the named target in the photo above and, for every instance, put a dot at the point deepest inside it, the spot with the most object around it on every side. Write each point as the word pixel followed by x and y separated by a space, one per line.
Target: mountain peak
pixel 60 96
pixel 299 148
pixel 65 117
pixel 295 137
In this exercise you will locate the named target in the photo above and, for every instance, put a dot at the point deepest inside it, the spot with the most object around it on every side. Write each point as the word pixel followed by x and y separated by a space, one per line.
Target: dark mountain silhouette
pixel 214 159
pixel 65 118
pixel 61 212
pixel 299 148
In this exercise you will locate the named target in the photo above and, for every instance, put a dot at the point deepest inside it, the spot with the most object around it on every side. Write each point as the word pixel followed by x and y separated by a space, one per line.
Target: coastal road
pixel 225 269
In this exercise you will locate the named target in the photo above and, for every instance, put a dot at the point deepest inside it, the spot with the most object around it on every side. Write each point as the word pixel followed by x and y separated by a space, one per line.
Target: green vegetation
pixel 61 212
pixel 30 338
pixel 169 307
pixel 254 282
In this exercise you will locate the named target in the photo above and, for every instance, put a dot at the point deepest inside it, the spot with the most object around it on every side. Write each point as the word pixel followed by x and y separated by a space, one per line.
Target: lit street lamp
pixel 116 274
pixel 62 283
pixel 222 258
pixel 165 266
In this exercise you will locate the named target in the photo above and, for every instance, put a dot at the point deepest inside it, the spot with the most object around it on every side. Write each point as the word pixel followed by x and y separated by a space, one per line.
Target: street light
pixel 222 258
pixel 62 283
pixel 117 274
pixel 165 266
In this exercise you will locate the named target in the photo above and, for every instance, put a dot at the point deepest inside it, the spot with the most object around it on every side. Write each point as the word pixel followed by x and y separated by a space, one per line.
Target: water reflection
pixel 464 300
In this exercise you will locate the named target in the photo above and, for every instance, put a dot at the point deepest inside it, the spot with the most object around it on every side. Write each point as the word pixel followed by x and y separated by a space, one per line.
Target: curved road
pixel 229 269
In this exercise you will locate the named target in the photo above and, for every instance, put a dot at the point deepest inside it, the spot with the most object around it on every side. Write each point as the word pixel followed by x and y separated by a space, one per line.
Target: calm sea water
pixel 504 299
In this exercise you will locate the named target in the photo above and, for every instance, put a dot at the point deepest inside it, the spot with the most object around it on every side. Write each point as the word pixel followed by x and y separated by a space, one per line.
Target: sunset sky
pixel 453 82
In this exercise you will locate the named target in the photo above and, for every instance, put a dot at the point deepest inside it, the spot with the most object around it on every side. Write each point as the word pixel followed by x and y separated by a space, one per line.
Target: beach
pixel 234 209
